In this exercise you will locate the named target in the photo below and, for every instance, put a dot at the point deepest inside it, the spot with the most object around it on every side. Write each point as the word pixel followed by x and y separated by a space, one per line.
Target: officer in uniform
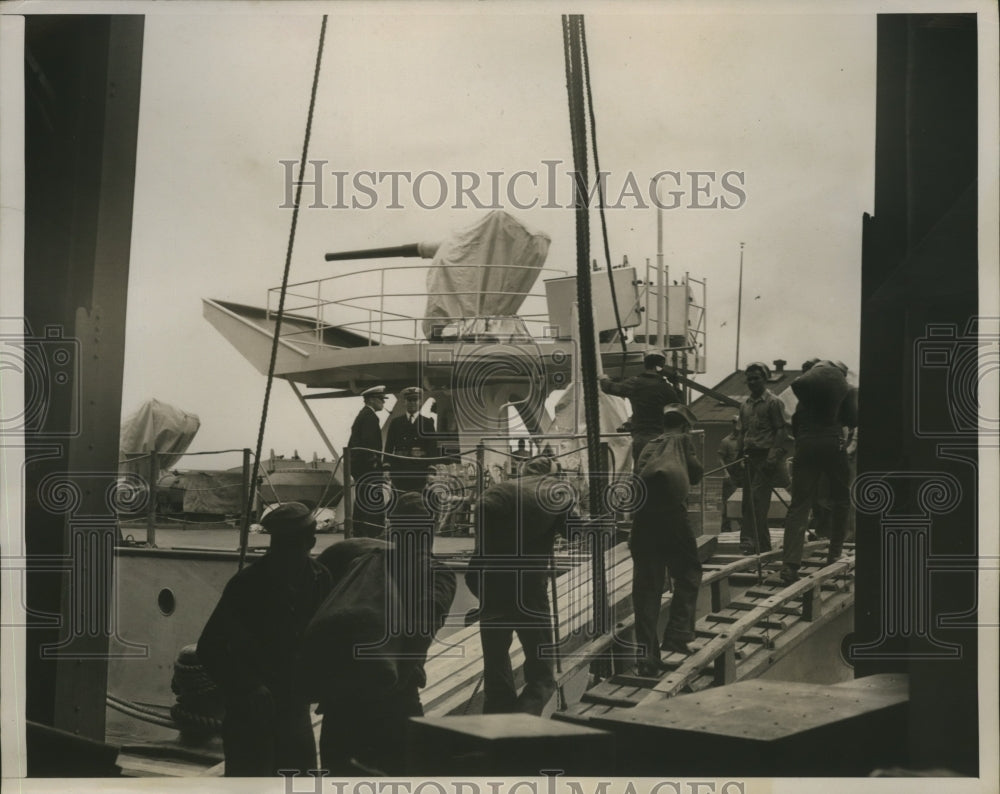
pixel 410 442
pixel 365 449
pixel 248 649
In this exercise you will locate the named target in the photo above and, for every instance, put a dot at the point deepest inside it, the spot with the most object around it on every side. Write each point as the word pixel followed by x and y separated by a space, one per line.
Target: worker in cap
pixel 765 439
pixel 248 649
pixel 760 367
pixel 289 520
pixel 508 573
pixel 410 443
pixel 662 541
pixel 678 413
pixel 648 392
pixel 825 416
pixel 365 450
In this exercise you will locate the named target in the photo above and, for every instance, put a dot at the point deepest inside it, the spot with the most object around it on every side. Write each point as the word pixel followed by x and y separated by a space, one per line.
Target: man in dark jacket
pixel 826 406
pixel 662 541
pixel 649 394
pixel 365 448
pixel 364 725
pixel 248 648
pixel 509 573
pixel 410 444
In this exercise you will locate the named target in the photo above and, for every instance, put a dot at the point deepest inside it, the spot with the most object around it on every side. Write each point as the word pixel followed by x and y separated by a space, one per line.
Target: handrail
pixel 377 303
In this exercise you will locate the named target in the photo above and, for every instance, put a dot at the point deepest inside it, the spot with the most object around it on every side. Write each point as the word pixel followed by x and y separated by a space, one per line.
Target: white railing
pixel 377 304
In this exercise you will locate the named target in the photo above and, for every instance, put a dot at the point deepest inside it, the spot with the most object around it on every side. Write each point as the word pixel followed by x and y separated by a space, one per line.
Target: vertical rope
pixel 600 194
pixel 572 43
pixel 245 530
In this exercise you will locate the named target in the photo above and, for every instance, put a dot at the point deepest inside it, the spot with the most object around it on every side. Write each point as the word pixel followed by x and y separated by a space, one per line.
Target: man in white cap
pixel 248 649
pixel 365 446
pixel 410 443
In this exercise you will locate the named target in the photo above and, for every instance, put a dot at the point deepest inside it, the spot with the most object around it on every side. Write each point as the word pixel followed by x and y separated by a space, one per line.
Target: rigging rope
pixel 573 46
pixel 600 195
pixel 245 528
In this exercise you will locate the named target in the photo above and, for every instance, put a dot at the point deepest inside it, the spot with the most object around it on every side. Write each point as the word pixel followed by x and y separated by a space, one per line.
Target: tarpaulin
pixel 482 271
pixel 160 427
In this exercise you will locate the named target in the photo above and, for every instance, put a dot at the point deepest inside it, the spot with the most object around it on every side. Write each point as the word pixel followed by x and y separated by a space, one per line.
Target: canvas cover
pixel 458 284
pixel 161 427
pixel 569 419
pixel 213 492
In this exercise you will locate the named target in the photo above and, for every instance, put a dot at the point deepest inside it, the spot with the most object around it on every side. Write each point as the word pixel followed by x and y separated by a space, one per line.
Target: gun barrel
pixel 425 250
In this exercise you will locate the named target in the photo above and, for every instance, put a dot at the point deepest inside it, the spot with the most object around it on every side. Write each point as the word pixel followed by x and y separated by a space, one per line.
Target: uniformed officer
pixel 411 445
pixel 365 448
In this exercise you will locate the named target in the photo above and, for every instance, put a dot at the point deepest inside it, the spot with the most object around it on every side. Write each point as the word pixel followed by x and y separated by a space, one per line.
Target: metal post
pixel 348 500
pixel 154 475
pixel 245 493
pixel 739 311
pixel 480 470
pixel 646 284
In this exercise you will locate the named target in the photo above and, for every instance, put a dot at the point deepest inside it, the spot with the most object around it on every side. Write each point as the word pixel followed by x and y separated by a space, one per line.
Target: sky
pixel 785 100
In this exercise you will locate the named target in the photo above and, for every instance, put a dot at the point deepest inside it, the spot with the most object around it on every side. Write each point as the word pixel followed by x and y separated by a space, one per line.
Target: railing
pixel 381 304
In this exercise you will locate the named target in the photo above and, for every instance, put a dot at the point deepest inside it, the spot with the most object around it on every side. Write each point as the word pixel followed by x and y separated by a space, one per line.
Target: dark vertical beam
pixel 919 273
pixel 82 82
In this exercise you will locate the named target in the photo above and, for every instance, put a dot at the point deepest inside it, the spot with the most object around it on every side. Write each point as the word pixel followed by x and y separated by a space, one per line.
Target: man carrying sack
pixel 662 541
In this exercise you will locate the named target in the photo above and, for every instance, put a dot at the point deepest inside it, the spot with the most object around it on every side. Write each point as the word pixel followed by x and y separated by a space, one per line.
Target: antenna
pixel 739 310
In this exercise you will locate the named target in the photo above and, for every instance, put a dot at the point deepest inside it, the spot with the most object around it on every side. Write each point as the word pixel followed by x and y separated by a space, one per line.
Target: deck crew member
pixel 410 441
pixel 248 648
pixel 365 447
pixel 649 393
pixel 662 540
pixel 823 411
pixel 764 436
pixel 509 573
pixel 364 723
pixel 729 452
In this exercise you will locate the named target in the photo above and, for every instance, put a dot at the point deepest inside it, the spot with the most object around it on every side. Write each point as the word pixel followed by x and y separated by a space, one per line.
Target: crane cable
pixel 600 196
pixel 245 529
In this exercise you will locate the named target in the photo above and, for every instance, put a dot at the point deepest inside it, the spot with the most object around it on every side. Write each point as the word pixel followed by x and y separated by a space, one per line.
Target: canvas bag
pixel 665 460
pixel 346 648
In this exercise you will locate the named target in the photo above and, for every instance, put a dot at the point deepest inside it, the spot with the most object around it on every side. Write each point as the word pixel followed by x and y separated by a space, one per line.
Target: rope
pixel 600 196
pixel 573 46
pixel 138 712
pixel 245 529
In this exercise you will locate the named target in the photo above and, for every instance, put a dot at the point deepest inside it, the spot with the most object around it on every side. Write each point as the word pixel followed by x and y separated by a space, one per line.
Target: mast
pixel 739 310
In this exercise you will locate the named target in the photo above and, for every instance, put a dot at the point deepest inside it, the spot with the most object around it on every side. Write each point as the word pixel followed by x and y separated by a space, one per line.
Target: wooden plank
pixel 601 700
pixel 676 680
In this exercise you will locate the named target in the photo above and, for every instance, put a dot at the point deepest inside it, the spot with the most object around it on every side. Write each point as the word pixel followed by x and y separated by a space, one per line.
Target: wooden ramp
pixel 454 666
pixel 752 624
